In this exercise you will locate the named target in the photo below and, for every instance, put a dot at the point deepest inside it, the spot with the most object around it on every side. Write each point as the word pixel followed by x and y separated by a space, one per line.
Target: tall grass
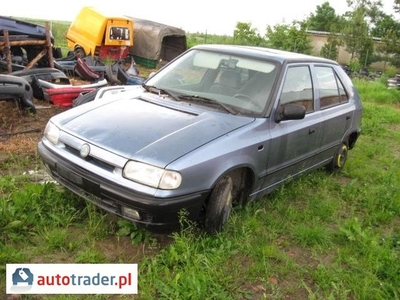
pixel 377 92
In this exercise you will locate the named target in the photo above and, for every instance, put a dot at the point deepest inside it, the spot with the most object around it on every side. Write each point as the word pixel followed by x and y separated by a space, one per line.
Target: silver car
pixel 218 126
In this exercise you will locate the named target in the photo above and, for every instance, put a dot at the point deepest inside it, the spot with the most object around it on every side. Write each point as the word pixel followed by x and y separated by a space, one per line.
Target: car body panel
pixel 22 30
pixel 142 140
pixel 17 88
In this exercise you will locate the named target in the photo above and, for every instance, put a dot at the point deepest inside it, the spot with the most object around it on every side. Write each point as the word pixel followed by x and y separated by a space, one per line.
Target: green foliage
pixel 133 231
pixel 324 18
pixel 331 49
pixel 24 211
pixel 194 39
pixel 355 65
pixel 245 35
pixel 384 24
pixel 391 71
pixel 377 92
pixel 289 37
pixel 355 33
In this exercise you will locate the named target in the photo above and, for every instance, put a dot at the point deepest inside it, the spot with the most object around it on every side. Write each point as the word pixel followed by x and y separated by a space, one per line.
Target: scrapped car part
pixel 64 96
pixel 99 94
pixel 17 89
pixel 84 98
pixel 51 75
pixel 133 69
pixel 218 126
pixel 128 79
pixel 25 37
pixel 49 85
pixel 112 79
pixel 85 72
pixel 22 30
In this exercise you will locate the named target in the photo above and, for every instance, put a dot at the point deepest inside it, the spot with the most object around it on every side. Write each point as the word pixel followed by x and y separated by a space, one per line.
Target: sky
pixel 211 16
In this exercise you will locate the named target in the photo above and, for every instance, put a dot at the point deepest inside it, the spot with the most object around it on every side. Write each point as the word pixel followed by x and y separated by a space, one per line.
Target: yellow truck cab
pixel 97 34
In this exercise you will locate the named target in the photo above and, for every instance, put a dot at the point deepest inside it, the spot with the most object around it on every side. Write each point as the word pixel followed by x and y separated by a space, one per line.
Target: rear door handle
pixel 311 130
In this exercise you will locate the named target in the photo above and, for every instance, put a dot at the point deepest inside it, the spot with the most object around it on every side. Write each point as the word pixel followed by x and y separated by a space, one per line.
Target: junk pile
pixel 32 68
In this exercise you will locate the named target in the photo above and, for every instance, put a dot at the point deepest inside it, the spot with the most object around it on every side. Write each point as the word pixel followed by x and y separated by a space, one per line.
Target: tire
pixel 339 160
pixel 219 206
pixel 79 52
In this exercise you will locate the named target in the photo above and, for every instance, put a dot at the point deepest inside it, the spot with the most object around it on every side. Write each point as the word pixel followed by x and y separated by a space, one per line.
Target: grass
pixel 322 236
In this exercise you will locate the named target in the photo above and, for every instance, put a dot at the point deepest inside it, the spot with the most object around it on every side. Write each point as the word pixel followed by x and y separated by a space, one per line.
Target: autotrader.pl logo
pixel 22 280
pixel 71 279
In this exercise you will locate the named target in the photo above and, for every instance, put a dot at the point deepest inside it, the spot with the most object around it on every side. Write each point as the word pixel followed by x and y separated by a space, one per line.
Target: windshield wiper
pixel 160 92
pixel 196 98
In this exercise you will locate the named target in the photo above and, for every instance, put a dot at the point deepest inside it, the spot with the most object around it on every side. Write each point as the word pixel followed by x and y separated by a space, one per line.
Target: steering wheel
pixel 247 98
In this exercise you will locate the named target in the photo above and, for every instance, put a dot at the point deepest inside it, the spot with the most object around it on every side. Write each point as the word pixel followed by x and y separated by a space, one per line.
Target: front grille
pixel 91 159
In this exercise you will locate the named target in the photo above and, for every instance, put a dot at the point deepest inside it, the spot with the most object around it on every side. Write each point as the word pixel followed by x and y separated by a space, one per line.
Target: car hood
pixel 151 132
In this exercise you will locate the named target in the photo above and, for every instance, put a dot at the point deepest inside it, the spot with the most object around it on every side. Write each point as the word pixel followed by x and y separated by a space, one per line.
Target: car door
pixel 294 142
pixel 336 110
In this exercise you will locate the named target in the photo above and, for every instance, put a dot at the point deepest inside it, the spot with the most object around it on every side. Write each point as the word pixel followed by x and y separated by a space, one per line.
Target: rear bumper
pixel 155 213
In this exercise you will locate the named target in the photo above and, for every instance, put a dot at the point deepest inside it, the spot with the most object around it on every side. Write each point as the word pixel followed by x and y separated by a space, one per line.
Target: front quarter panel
pixel 247 147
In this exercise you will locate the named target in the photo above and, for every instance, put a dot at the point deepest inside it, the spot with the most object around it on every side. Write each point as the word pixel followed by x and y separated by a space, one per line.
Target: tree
pixel 289 37
pixel 324 19
pixel 331 48
pixel 356 33
pixel 384 24
pixel 244 34
pixel 390 44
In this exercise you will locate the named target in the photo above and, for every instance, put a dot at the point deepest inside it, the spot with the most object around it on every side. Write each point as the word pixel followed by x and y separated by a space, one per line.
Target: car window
pixel 331 89
pixel 242 83
pixel 297 88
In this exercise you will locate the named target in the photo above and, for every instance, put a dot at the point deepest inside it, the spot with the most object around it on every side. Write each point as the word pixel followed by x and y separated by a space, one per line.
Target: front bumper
pixel 155 213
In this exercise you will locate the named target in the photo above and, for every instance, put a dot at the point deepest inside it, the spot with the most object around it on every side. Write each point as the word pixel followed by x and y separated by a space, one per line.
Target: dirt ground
pixel 20 131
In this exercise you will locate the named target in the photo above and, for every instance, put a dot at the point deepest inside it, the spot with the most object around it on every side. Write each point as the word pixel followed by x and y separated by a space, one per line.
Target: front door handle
pixel 311 130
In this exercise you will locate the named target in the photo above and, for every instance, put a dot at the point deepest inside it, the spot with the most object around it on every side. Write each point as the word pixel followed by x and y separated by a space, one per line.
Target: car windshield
pixel 234 84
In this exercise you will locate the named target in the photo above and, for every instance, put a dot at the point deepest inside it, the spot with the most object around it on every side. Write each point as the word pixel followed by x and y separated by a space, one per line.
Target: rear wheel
pixel 219 206
pixel 339 159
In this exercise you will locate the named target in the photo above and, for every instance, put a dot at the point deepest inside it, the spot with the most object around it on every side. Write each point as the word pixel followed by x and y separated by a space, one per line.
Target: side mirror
pixel 290 112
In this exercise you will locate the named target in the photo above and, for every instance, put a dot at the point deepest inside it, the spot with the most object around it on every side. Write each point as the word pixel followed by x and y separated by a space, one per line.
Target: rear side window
pixel 331 89
pixel 297 88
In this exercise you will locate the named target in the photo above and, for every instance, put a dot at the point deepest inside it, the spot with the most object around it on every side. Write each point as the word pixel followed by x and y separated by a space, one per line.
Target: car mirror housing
pixel 290 112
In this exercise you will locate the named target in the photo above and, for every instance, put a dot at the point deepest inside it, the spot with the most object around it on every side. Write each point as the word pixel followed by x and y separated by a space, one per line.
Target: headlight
pixel 52 133
pixel 152 176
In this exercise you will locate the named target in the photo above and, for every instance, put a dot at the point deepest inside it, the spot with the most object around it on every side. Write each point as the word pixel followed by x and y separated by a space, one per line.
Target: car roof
pixel 265 53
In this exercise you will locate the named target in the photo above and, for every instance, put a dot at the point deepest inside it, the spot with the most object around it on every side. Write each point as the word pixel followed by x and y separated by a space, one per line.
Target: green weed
pixel 320 236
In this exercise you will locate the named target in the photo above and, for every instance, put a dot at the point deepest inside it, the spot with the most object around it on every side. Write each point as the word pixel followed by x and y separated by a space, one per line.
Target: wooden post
pixel 36 59
pixel 7 51
pixel 49 45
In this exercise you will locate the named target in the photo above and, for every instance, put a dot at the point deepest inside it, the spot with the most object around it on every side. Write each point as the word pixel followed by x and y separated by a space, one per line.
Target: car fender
pixel 207 164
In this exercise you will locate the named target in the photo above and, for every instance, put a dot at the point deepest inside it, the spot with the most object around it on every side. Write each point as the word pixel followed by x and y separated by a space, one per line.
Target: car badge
pixel 85 150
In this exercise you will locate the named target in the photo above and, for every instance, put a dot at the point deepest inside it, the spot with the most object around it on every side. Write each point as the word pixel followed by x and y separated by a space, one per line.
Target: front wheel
pixel 219 206
pixel 340 158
